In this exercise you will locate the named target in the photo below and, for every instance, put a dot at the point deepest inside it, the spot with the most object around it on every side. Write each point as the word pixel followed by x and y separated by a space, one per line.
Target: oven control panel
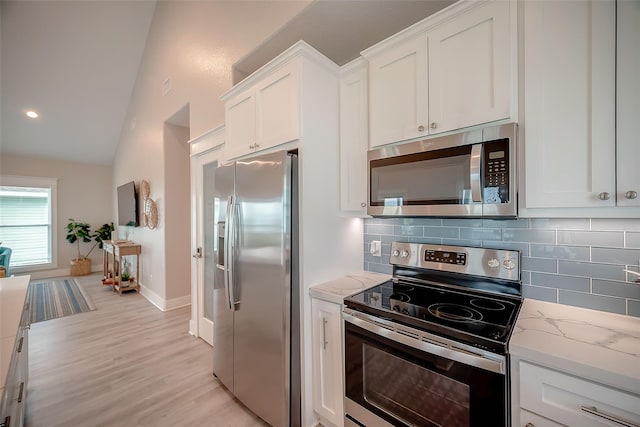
pixel 458 258
pixel 493 263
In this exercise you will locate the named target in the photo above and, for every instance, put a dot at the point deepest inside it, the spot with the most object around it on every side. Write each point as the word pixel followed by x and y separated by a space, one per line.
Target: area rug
pixel 52 298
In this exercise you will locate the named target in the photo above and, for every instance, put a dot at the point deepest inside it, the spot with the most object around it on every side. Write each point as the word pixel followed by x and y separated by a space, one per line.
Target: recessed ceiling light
pixel 32 114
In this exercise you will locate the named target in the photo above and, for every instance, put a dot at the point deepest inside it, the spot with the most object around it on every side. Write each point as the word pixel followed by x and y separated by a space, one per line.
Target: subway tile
pixel 525 277
pixel 540 293
pixel 632 240
pixel 561 282
pixel 481 233
pixel 425 240
pixel 407 230
pixel 442 232
pixel 615 289
pixel 543 265
pixel 575 253
pixel 387 240
pixel 611 224
pixel 529 235
pixel 368 238
pixel 381 268
pixel 591 269
pixel 514 246
pixel 427 222
pixel 615 256
pixel 506 223
pixel 462 222
pixel 560 223
pixel 591 238
pixel 461 242
pixel 633 308
pixel 379 229
pixel 595 302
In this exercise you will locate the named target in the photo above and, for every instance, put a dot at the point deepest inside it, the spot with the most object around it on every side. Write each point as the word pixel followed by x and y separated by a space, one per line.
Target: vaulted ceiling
pixel 76 62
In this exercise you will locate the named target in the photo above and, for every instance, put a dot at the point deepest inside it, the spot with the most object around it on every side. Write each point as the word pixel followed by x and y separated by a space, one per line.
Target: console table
pixel 115 250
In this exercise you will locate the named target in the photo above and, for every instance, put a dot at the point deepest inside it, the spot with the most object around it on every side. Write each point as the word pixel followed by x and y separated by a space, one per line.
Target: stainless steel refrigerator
pixel 256 341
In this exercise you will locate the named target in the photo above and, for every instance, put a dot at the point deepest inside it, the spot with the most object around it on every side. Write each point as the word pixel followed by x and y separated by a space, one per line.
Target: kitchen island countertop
pixel 595 345
pixel 337 290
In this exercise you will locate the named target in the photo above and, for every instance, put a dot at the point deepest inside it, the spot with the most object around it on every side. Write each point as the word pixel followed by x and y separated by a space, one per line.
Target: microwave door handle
pixel 475 172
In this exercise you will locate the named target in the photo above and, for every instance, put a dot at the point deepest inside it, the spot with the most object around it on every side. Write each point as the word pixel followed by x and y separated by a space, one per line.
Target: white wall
pixel 84 194
pixel 195 45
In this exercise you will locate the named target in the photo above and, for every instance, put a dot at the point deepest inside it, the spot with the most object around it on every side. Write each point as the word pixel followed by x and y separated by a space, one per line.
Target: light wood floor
pixel 125 364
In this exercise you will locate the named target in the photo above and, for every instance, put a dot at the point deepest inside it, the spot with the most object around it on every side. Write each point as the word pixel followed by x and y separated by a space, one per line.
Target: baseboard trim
pixel 163 304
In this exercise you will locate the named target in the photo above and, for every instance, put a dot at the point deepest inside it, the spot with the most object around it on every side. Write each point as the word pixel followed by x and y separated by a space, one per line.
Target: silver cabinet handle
pixel 603 196
pixel 256 146
pixel 433 125
pixel 324 333
pixel 252 146
pixel 420 128
pixel 631 194
pixel 198 253
pixel 363 205
pixel 594 411
pixel 529 425
pixel 21 392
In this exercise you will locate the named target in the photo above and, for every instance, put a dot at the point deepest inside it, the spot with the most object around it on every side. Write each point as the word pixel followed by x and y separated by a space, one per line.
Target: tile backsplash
pixel 576 262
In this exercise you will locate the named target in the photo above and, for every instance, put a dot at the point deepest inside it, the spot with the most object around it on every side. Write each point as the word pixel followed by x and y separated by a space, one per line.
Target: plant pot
pixel 80 266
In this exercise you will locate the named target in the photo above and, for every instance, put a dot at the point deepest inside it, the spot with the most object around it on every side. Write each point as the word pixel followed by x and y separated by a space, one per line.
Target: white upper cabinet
pixel 354 138
pixel 628 103
pixel 398 92
pixel 569 99
pixel 450 71
pixel 265 113
pixel 470 68
pixel 581 107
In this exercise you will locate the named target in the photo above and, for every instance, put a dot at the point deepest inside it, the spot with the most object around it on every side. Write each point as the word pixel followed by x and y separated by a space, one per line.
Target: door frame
pixel 205 149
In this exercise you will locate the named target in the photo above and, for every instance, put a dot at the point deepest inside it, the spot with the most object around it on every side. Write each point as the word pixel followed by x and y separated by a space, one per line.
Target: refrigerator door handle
pixel 228 258
pixel 232 220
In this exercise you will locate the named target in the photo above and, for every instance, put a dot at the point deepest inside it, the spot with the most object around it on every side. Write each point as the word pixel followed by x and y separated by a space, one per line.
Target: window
pixel 27 221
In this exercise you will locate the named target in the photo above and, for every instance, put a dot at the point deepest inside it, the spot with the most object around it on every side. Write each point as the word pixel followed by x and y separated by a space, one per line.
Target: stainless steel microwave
pixel 469 174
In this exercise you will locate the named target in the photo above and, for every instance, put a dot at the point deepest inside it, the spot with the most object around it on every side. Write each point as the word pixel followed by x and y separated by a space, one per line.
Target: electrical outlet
pixel 375 248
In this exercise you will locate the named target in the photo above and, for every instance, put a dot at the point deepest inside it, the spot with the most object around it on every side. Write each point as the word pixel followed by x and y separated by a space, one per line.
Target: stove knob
pixel 396 308
pixel 493 263
pixel 396 252
pixel 405 311
pixel 404 254
pixel 509 264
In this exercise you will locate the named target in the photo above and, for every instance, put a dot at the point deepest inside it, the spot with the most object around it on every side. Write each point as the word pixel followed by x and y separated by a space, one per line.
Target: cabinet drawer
pixel 528 419
pixel 575 401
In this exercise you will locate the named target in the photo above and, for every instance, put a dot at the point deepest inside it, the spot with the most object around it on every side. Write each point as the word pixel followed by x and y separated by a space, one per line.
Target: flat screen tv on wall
pixel 128 205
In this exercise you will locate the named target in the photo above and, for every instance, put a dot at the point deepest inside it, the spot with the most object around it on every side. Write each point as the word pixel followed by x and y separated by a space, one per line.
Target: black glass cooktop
pixel 476 318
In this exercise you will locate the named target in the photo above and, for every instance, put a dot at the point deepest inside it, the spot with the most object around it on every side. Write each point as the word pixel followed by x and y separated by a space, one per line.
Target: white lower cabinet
pixel 551 398
pixel 327 362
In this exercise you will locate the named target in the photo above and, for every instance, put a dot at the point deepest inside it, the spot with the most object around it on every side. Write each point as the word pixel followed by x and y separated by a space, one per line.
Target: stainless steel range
pixel 429 347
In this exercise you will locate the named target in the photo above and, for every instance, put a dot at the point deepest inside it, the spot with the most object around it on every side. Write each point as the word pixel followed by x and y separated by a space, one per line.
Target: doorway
pixel 205 157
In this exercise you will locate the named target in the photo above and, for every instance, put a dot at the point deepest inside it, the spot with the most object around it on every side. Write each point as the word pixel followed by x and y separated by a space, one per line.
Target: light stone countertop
pixel 336 290
pixel 595 345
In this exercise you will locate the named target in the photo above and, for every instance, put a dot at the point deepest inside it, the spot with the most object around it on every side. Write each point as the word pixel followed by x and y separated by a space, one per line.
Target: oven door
pixel 390 383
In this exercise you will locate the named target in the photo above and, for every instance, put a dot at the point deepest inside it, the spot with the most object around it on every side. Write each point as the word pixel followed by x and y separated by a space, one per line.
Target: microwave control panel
pixel 496 171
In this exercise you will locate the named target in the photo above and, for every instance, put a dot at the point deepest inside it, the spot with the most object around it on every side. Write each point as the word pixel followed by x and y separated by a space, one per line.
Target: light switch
pixel 375 248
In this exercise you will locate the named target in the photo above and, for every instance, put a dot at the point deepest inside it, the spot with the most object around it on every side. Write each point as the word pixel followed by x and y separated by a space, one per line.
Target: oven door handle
pixel 428 343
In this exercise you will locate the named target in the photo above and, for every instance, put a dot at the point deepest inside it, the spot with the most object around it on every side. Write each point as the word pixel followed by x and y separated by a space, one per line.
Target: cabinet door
pixel 354 141
pixel 240 121
pixel 398 92
pixel 628 104
pixel 470 68
pixel 277 107
pixel 327 361
pixel 569 103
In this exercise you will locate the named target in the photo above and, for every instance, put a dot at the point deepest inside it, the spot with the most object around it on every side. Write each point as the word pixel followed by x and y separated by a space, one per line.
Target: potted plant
pixel 81 232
